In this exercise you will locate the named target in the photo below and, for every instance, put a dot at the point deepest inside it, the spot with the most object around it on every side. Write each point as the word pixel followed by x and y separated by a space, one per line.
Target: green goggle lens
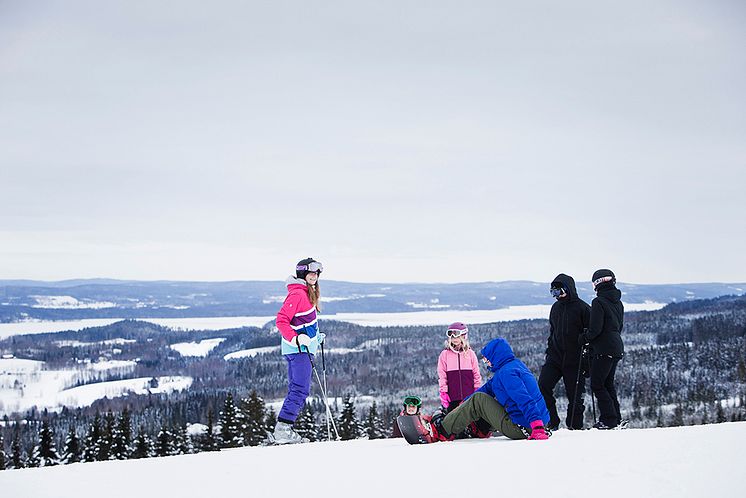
pixel 412 401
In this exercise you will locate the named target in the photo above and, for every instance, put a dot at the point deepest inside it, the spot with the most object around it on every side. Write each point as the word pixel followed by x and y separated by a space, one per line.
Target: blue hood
pixel 498 352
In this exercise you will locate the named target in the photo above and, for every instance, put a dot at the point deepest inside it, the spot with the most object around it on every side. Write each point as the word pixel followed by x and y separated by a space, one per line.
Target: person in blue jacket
pixel 510 401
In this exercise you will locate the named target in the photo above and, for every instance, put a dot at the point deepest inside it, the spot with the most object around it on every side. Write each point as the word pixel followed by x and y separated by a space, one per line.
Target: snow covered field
pixel 201 348
pixel 366 319
pixel 698 461
pixel 210 323
pixel 25 383
pixel 250 353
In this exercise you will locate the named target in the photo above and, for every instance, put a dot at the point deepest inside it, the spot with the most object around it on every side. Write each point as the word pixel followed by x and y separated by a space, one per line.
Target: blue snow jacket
pixel 513 385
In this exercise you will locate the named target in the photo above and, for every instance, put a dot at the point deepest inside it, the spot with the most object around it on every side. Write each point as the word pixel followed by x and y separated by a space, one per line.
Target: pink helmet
pixel 457 329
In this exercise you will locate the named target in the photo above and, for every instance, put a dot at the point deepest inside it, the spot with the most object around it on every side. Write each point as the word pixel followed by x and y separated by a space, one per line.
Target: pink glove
pixel 445 400
pixel 537 430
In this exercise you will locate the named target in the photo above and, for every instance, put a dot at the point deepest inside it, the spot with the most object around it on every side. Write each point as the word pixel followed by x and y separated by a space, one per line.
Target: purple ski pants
pixel 299 386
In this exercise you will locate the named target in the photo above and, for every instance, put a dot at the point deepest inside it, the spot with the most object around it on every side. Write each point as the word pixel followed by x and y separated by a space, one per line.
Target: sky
pixel 394 141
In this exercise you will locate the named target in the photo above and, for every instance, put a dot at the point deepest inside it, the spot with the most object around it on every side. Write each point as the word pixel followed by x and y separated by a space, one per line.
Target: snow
pixel 250 353
pixel 87 394
pixel 201 323
pixel 675 462
pixel 108 342
pixel 42 326
pixel 69 303
pixel 343 350
pixel 196 429
pixel 368 319
pixel 324 299
pixel 113 365
pixel 468 316
pixel 25 383
pixel 201 348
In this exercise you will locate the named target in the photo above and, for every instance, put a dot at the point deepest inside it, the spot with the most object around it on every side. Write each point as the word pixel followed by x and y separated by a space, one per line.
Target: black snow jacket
pixel 567 320
pixel 607 322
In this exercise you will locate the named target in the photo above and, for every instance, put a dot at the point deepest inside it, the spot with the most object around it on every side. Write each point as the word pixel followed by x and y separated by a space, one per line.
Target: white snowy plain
pixel 365 319
pixel 201 348
pixel 697 461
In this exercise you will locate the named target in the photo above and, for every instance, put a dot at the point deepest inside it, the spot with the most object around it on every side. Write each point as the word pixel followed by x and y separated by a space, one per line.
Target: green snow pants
pixel 483 406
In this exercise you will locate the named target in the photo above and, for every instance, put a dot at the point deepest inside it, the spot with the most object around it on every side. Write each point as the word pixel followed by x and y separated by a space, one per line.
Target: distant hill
pixel 105 298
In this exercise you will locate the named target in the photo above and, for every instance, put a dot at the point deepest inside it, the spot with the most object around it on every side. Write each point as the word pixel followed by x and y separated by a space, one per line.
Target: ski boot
pixel 285 434
pixel 438 431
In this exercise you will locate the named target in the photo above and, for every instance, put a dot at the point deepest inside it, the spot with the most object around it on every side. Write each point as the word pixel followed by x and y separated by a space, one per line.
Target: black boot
pixel 439 431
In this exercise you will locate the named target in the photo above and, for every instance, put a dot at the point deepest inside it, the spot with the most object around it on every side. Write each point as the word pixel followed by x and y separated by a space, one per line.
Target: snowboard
pixel 414 429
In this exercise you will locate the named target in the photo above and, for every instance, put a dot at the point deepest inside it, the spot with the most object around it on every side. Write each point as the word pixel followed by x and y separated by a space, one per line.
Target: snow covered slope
pixel 699 461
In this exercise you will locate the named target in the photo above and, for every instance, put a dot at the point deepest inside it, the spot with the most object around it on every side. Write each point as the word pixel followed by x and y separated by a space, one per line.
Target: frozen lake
pixel 365 319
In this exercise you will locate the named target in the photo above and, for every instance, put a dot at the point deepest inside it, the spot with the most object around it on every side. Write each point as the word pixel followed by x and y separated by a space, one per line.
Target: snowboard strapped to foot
pixel 414 429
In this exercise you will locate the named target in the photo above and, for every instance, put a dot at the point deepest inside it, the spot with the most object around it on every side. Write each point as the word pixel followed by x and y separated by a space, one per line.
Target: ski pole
pixel 323 370
pixel 326 402
pixel 577 383
pixel 322 387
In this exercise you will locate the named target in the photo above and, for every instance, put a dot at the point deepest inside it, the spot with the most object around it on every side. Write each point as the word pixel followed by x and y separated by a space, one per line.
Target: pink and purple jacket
pixel 458 373
pixel 297 316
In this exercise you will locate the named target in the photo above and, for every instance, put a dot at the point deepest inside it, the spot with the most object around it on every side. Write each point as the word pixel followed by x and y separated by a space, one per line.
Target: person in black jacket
pixel 605 339
pixel 569 316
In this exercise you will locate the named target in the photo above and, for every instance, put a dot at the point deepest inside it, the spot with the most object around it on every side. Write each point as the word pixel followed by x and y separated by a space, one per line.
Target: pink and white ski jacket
pixel 298 316
pixel 458 373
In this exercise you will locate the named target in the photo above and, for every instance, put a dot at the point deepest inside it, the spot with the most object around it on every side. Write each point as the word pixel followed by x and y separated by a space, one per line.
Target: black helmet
pixel 307 265
pixel 603 276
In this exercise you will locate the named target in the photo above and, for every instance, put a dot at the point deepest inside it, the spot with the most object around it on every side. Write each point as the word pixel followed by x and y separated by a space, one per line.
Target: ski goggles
pixel 556 292
pixel 601 280
pixel 412 401
pixel 313 267
pixel 452 333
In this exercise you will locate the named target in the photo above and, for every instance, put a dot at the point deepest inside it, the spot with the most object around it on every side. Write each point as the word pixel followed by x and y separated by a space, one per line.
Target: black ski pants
pixel 550 375
pixel 603 369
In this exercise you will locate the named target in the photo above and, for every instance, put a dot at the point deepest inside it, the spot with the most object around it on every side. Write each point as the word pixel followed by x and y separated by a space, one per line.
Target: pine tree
pixel 16 456
pixel 678 416
pixel 122 437
pixel 253 426
pixel 271 420
pixel 106 443
pixel 323 431
pixel 143 448
pixel 720 413
pixel 209 441
pixel 659 418
pixel 164 442
pixel 348 424
pixel 373 425
pixel 73 451
pixel 182 441
pixel 47 451
pixel 305 425
pixel 230 432
pixel 92 440
pixel 34 460
pixel 741 370
pixel 2 452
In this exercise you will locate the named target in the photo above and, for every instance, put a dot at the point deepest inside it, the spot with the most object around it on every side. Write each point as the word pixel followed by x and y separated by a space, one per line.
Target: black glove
pixel 582 339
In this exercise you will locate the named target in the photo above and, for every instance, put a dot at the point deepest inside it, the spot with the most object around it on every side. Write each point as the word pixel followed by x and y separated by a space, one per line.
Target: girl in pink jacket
pixel 458 368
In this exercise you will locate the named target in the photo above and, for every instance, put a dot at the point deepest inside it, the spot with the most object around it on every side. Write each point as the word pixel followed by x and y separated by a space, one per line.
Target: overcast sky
pixel 392 140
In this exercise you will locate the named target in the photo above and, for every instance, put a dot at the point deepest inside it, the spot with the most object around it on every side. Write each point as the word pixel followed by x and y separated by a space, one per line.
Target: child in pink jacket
pixel 458 368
